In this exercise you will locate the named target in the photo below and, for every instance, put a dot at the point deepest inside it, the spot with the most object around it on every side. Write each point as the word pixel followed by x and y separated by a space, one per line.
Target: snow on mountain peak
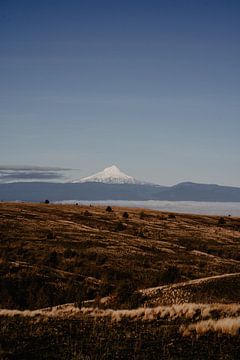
pixel 111 175
pixel 113 171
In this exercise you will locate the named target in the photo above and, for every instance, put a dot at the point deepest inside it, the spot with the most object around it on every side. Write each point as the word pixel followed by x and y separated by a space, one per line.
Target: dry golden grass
pixel 87 245
pixel 186 266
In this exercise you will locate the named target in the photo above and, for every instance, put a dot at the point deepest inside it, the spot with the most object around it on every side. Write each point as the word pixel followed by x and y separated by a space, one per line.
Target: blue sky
pixel 151 86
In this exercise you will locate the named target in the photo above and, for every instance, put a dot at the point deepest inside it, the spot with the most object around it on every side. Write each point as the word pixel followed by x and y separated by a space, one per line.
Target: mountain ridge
pixel 90 191
pixel 114 184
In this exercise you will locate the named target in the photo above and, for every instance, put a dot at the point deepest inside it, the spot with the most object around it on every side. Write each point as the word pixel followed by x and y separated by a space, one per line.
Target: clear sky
pixel 151 86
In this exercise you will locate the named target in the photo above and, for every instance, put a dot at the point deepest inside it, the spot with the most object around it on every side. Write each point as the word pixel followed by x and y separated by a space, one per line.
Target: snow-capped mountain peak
pixel 111 175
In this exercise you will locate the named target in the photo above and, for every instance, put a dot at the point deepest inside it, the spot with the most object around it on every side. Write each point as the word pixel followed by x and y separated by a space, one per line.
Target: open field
pixel 141 285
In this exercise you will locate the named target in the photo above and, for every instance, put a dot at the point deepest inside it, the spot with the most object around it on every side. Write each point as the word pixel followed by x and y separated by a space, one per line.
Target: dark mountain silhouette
pixel 188 191
pixel 39 191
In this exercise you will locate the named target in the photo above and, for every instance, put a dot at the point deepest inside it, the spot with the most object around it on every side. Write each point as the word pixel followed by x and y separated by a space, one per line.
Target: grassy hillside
pixel 121 259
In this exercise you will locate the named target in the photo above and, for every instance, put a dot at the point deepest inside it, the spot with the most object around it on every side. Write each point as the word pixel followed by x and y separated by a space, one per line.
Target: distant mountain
pixel 188 191
pixel 113 184
pixel 39 191
pixel 110 175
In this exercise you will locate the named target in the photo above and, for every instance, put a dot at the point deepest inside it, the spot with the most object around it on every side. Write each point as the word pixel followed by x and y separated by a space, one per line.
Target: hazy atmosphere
pixel 151 86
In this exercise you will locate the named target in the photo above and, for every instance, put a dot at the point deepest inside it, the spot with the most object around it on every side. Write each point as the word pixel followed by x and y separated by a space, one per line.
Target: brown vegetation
pixel 57 254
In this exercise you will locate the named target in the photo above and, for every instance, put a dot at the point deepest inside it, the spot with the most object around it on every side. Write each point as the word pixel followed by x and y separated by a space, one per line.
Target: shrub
pixel 101 259
pixel 141 234
pixel 128 296
pixel 125 215
pixel 146 263
pixel 142 215
pixel 69 253
pixel 106 289
pixel 92 256
pixel 46 201
pixel 109 209
pixel 51 235
pixel 52 259
pixel 120 226
pixel 170 275
pixel 221 221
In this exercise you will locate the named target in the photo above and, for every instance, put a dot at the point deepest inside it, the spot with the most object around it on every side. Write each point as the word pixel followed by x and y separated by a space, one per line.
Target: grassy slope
pixel 54 254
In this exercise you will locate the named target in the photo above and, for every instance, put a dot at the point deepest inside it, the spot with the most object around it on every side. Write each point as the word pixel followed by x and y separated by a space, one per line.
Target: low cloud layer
pixel 9 173
pixel 30 168
pixel 29 175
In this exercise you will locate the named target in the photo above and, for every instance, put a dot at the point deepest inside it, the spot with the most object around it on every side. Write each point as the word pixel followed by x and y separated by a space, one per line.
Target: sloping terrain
pixel 171 281
pixel 55 249
pixel 214 289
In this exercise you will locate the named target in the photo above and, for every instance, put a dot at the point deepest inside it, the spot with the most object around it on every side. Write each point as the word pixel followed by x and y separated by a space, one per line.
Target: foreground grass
pixel 176 332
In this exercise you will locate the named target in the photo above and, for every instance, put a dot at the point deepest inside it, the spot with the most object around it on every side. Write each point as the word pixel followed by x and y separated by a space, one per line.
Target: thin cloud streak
pixel 31 168
pixel 16 173
pixel 31 175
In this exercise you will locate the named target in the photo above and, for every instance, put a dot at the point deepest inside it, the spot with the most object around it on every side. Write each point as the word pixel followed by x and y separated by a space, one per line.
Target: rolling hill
pixel 86 282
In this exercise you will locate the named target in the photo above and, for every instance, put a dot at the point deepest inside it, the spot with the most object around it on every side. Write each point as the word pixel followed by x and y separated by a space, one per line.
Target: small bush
pixel 69 253
pixel 120 226
pixel 106 289
pixel 125 215
pixel 221 221
pixel 46 201
pixel 101 259
pixel 170 275
pixel 52 259
pixel 92 256
pixel 146 263
pixel 127 296
pixel 109 209
pixel 142 215
pixel 141 234
pixel 161 217
pixel 51 235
